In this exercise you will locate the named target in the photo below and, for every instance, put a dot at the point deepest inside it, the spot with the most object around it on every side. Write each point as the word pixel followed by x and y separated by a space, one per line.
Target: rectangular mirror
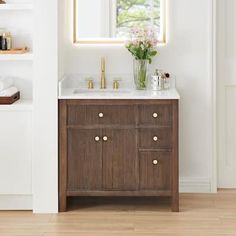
pixel 110 21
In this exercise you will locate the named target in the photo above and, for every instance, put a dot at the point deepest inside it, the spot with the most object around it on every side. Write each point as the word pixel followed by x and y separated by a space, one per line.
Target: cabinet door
pixel 120 163
pixel 84 159
pixel 15 152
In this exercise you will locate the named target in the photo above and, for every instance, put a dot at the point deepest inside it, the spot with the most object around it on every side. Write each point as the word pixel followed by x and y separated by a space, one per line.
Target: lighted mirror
pixel 110 21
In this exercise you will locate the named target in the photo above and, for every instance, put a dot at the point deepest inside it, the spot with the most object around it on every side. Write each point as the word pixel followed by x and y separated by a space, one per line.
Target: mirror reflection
pixel 113 19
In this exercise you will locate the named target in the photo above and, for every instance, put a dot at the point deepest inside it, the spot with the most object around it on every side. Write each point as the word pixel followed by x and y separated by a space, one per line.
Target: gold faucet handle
pixel 90 84
pixel 116 84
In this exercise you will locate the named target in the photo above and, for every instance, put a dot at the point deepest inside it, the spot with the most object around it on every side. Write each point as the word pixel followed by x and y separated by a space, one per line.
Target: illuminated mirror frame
pixel 76 39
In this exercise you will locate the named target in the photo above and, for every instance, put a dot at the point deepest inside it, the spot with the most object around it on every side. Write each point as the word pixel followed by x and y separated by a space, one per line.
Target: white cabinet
pixel 15 152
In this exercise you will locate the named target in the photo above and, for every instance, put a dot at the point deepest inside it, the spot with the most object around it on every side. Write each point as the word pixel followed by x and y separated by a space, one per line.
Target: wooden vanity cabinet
pixel 118 148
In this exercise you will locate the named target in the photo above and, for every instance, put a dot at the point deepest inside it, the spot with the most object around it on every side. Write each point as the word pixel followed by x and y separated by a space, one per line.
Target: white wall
pixel 188 55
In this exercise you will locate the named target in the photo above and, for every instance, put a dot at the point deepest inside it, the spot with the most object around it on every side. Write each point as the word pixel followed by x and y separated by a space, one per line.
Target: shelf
pixel 21 105
pixel 16 57
pixel 7 7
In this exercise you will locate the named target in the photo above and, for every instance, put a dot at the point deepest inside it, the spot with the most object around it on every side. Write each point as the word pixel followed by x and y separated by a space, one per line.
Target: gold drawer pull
pixel 97 139
pixel 155 139
pixel 155 115
pixel 155 162
pixel 101 115
pixel 105 138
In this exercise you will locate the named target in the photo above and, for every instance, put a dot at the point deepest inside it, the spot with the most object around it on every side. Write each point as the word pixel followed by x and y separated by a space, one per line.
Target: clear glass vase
pixel 141 74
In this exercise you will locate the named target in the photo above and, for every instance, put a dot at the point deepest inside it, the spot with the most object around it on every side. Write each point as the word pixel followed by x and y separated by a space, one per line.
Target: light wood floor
pixel 201 214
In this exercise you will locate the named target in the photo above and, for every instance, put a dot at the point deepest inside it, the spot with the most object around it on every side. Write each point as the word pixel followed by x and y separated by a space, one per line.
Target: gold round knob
pixel 101 115
pixel 97 138
pixel 155 162
pixel 155 138
pixel 155 115
pixel 105 138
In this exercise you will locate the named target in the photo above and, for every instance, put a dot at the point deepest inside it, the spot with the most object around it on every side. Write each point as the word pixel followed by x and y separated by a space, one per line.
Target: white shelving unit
pixel 12 6
pixel 16 119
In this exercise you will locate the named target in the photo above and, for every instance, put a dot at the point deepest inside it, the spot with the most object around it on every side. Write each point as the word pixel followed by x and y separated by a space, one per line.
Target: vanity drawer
pixel 155 114
pixel 154 171
pixel 155 138
pixel 101 115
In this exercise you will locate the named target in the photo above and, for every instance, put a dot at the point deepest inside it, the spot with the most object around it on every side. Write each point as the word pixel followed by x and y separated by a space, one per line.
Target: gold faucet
pixel 103 73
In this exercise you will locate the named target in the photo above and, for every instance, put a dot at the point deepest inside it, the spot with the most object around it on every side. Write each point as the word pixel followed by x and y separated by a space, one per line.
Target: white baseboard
pixel 195 185
pixel 16 202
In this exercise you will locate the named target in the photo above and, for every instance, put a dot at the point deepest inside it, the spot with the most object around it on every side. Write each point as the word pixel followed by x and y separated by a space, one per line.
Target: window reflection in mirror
pixel 112 20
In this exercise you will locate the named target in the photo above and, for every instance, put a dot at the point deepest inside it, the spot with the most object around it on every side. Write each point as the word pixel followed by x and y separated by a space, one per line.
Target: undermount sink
pixel 100 91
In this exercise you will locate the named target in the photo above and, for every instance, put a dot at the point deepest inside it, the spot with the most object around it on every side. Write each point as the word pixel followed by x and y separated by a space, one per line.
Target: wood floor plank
pixel 200 215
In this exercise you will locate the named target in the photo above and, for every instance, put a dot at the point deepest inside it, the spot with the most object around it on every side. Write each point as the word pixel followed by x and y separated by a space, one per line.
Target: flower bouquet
pixel 142 46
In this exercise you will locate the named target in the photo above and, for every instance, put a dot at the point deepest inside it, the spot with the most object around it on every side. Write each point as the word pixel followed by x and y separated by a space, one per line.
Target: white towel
pixel 5 82
pixel 8 92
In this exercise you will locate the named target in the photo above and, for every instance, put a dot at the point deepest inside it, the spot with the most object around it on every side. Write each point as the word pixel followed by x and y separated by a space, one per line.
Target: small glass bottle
pixel 4 42
pixel 1 38
pixel 157 81
pixel 167 81
pixel 9 40
pixel 2 30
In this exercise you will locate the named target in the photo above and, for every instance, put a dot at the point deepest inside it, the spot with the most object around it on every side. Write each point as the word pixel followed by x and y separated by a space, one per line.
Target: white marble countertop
pixel 69 93
pixel 75 87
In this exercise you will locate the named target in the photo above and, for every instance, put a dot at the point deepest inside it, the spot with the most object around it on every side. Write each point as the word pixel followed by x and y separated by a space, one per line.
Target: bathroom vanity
pixel 123 144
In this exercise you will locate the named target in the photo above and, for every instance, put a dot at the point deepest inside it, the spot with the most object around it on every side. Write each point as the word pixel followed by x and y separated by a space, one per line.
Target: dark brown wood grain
pixel 62 155
pixel 163 111
pixel 120 159
pixel 122 165
pixel 112 115
pixel 155 176
pixel 147 135
pixel 121 193
pixel 85 166
pixel 175 156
